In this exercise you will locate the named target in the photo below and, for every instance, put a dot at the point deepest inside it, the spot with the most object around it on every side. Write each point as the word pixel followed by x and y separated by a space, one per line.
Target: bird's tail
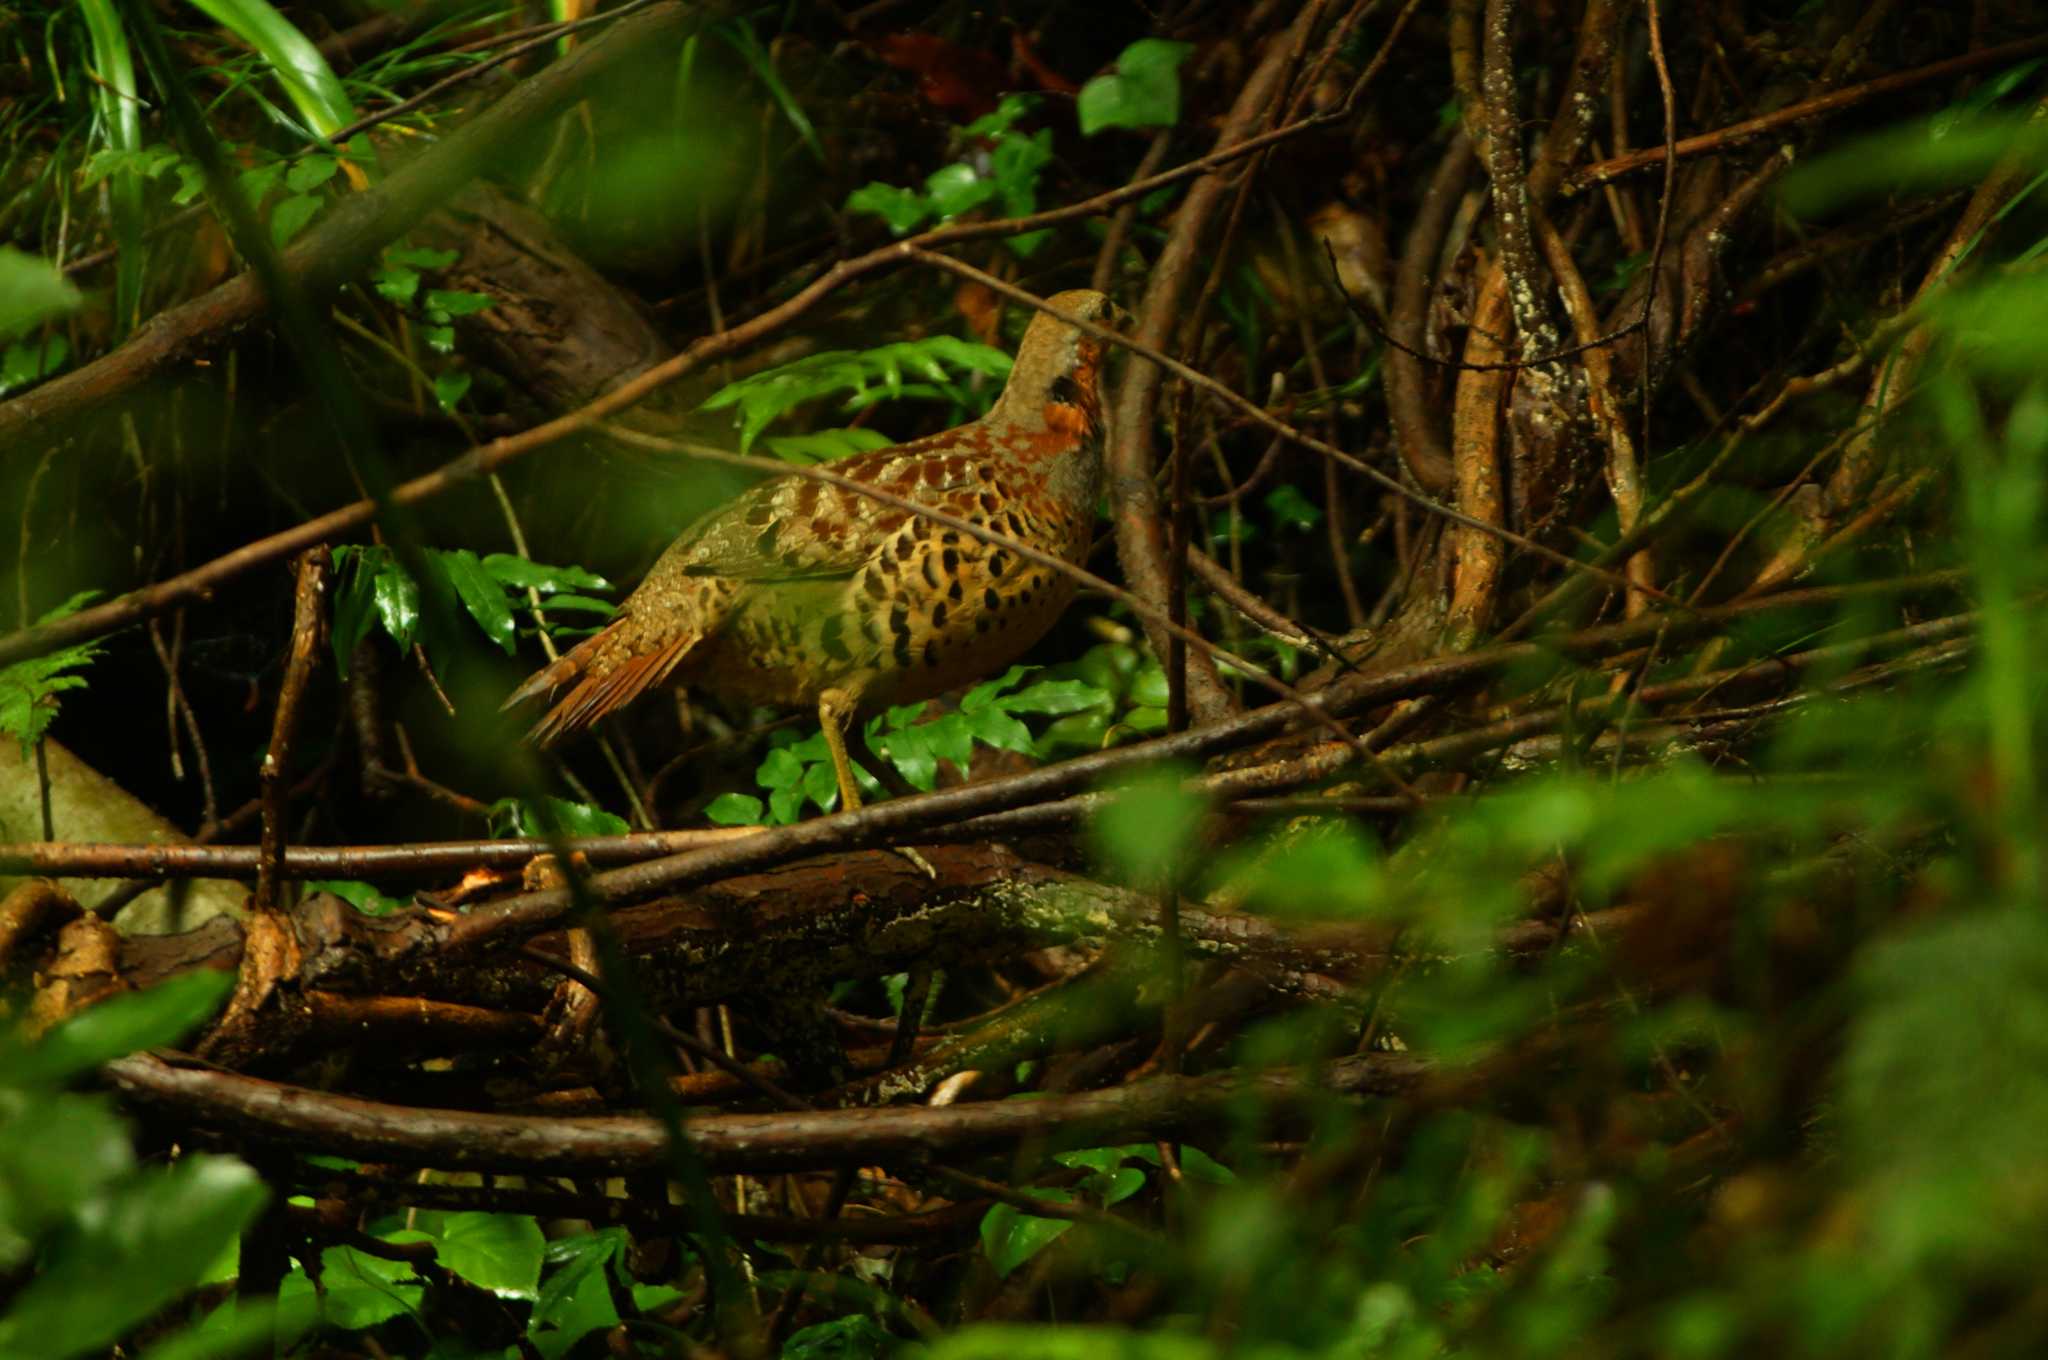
pixel 609 669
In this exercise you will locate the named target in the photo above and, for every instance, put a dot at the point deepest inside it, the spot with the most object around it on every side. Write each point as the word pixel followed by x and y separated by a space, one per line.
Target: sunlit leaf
pixel 734 809
pixel 1147 825
pixel 1143 91
pixel 901 208
pixel 29 689
pixel 482 595
pixel 1012 1237
pixel 32 290
pixel 145 1245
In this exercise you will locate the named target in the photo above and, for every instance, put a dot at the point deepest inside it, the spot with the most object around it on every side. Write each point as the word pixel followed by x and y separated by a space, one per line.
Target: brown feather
pixel 595 696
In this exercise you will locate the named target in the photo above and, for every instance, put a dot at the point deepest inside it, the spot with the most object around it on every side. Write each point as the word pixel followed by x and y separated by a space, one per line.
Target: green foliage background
pixel 1799 1112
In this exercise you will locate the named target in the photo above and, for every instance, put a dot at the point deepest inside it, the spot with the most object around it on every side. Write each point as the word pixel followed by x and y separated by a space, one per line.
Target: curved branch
pixel 1140 520
pixel 1163 1107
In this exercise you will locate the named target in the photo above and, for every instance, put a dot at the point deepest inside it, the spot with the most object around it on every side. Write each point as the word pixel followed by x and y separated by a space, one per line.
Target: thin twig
pixel 309 617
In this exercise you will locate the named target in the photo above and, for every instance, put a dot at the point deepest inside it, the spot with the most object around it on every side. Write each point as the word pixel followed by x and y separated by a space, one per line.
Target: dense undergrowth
pixel 1653 962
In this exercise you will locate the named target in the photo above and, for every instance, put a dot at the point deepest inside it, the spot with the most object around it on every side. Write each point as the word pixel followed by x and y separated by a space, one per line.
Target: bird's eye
pixel 1066 392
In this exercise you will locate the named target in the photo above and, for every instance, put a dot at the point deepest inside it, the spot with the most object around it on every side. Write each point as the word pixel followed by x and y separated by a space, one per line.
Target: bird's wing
pixel 797 529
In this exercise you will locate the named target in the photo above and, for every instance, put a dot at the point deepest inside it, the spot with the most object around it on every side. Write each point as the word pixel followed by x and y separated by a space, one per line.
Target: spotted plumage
pixel 800 592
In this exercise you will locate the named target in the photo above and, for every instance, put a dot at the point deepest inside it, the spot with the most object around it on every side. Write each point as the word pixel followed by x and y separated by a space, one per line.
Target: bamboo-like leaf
pixel 309 82
pixel 119 106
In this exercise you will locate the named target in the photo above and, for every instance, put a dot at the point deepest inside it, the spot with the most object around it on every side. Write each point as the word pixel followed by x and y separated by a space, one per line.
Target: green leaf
pixel 27 362
pixel 1056 696
pixel 482 595
pixel 364 897
pixel 354 602
pixel 1198 1165
pixel 950 738
pixel 191 183
pixel 576 1297
pixel 734 809
pixel 397 597
pixel 395 283
pixel 1114 1187
pixel 821 785
pixel 742 39
pixel 308 81
pixel 1015 165
pixel 1075 1341
pixel 421 257
pixel 825 446
pixel 1149 686
pixel 1000 730
pixel 579 604
pixel 520 573
pixel 32 290
pixel 1292 510
pixel 147 162
pixel 256 182
pixel 241 1327
pixel 117 102
pixel 498 1252
pixel 901 208
pixel 781 769
pixel 119 1026
pixel 310 172
pixel 1008 110
pixel 451 386
pixel 520 817
pixel 574 1259
pixel 1907 157
pixel 358 1290
pixel 1143 720
pixel 984 694
pixel 1944 1090
pixel 869 375
pixel 455 302
pixel 144 1245
pixel 1143 91
pixel 1080 732
pixel 785 803
pixel 853 1337
pixel 1011 1237
pixel 955 189
pixel 45 1181
pixel 911 754
pixel 291 216
pixel 1148 826
pixel 29 689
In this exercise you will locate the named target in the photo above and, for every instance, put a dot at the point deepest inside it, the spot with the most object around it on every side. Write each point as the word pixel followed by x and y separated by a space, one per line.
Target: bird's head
pixel 1055 381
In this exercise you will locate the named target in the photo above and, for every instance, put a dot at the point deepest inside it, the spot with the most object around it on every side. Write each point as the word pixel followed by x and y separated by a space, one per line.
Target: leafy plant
pixel 308 81
pixel 800 771
pixel 1011 1237
pixel 29 689
pixel 27 362
pixel 32 290
pixel 519 817
pixel 118 108
pixel 375 588
pixel 113 1240
pixel 1008 171
pixel 364 897
pixel 886 372
pixel 1143 91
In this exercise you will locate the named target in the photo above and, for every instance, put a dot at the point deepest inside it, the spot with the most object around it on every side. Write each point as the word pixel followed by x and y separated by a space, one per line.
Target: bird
pixel 802 593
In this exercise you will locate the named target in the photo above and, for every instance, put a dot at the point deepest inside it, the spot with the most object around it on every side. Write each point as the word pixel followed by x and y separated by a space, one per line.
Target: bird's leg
pixel 835 710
